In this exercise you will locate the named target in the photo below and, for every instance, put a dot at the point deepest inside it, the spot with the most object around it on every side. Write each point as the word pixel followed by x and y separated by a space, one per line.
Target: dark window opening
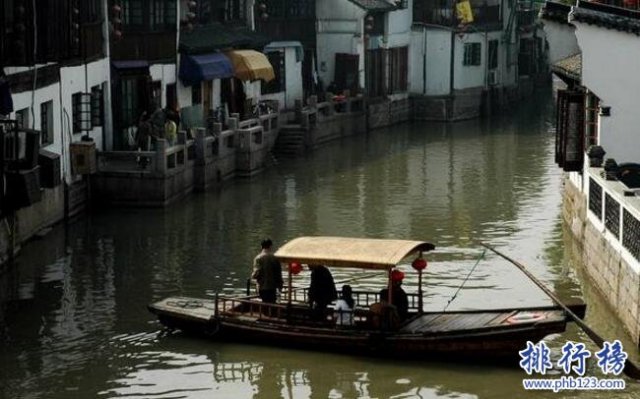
pixel 132 13
pixel 493 54
pixel 276 58
pixel 196 94
pixel 472 54
pixel 172 98
pixel 374 24
pixel 398 69
pixel 46 122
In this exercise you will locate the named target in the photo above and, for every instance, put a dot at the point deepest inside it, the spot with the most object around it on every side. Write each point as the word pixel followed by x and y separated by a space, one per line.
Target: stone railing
pixel 316 112
pixel 615 209
pixel 165 158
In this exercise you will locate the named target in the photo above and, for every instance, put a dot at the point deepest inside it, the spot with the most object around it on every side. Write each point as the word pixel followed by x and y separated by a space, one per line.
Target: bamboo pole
pixel 630 369
pixel 420 300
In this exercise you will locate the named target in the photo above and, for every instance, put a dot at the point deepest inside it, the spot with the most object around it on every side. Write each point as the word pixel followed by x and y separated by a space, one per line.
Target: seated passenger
pixel 344 307
pixel 398 296
pixel 322 290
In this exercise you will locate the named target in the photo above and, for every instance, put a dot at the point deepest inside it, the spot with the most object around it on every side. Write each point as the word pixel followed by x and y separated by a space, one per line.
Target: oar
pixel 630 369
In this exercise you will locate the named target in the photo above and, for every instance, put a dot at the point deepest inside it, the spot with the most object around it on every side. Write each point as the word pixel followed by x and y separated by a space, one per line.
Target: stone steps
pixel 290 141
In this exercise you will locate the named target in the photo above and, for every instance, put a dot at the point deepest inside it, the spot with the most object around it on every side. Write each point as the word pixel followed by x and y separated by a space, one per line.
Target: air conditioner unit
pixel 493 78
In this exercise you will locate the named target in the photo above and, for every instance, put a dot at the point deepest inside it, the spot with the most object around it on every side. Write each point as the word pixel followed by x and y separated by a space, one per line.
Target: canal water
pixel 74 318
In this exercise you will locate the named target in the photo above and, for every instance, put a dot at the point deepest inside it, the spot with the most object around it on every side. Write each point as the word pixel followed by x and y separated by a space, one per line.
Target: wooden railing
pixel 298 310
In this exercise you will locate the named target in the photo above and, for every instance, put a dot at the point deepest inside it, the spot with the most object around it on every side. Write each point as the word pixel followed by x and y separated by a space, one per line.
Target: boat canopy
pixel 362 253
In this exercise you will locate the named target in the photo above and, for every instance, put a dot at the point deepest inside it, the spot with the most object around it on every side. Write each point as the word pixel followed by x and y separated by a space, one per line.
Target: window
pixel 374 24
pixel 591 119
pixel 196 94
pixel 398 69
pixel 493 54
pixel 46 122
pixel 472 55
pixel 97 106
pixel 301 9
pixel 276 58
pixel 22 118
pixel 162 14
pixel 235 10
pixel 132 12
pixel 81 103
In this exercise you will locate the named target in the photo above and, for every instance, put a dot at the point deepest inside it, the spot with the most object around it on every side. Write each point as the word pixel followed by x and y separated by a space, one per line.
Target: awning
pixel 363 253
pixel 251 65
pixel 130 67
pixel 196 68
pixel 132 64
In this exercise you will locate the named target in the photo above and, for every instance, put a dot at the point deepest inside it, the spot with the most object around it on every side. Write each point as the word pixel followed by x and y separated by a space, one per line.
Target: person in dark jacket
pixel 398 298
pixel 322 290
pixel 267 272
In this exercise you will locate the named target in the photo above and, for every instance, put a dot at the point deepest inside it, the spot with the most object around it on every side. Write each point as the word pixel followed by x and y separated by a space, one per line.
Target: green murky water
pixel 74 315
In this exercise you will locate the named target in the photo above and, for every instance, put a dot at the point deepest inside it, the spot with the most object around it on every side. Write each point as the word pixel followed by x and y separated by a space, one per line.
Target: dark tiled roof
pixel 374 5
pixel 554 11
pixel 607 16
pixel 212 37
pixel 570 67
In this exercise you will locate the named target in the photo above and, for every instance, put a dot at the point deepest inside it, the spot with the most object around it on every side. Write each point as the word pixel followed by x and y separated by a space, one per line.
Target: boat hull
pixel 477 335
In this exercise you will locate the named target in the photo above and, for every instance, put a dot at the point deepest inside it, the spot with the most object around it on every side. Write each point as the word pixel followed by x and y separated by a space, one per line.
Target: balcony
pixel 135 46
pixel 443 13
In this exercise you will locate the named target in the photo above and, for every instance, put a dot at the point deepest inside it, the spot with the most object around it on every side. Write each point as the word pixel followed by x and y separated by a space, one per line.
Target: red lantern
pixel 419 264
pixel 397 275
pixel 295 267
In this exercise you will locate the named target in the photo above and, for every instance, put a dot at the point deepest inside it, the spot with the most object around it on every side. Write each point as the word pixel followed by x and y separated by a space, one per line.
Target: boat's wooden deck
pixel 197 309
pixel 446 322
pixel 203 310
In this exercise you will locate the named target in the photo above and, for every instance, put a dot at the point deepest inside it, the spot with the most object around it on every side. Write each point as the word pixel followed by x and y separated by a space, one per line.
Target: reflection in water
pixel 74 318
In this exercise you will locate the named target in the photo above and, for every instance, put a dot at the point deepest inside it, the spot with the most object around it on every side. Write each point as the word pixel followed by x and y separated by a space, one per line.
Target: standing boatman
pixel 267 272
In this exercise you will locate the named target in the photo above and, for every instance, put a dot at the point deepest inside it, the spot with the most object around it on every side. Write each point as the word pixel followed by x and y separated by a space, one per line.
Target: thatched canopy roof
pixel 363 253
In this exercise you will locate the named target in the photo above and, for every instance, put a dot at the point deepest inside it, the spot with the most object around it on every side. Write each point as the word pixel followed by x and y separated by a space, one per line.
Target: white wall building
pixel 602 207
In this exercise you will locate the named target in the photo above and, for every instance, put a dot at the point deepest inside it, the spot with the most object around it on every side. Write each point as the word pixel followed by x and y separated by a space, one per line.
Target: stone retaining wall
pixel 614 278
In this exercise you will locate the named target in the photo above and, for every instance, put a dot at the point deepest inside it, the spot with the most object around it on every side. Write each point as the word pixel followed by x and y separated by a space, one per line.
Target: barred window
pixel 132 12
pixel 97 106
pixel 472 54
pixel 81 103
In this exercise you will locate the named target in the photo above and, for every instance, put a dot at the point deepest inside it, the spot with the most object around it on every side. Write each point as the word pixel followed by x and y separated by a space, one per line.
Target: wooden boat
pixel 479 334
